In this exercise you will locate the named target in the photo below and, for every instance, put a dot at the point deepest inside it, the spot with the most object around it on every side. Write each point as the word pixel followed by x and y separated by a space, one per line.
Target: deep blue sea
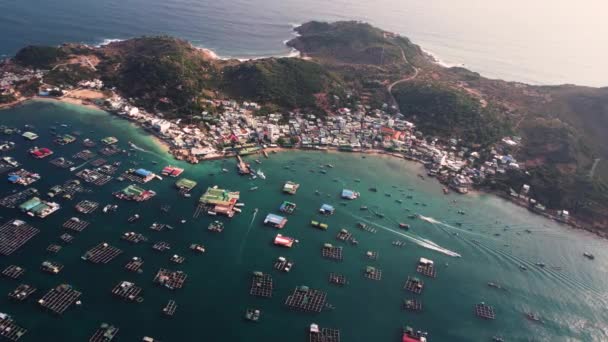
pixel 540 41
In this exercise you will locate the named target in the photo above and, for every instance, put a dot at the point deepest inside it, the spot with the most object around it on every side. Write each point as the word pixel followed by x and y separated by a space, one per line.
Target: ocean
pixel 538 42
pixel 493 238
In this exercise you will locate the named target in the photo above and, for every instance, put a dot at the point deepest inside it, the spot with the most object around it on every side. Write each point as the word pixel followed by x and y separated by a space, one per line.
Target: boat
pixel 252 315
pixel 253 188
pixel 498 339
pixel 261 174
pixel 404 226
pixel 494 285
pixel 409 335
pixel 257 161
pixel 363 207
pixel 588 255
pixel 446 191
pixel 533 317
pixel 224 170
pixel 373 189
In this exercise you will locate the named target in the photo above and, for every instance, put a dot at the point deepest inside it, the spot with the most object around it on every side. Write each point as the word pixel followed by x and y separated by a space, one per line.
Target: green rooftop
pixel 219 196
pixel 133 190
pixel 185 183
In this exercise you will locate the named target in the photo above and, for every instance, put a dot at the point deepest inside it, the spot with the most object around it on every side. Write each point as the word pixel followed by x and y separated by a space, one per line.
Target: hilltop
pixel 562 151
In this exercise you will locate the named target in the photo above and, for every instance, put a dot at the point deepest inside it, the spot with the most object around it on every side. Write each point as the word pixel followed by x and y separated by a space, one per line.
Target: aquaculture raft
pixel 426 267
pixel 158 226
pixel 128 291
pixel 14 234
pixel 102 253
pixel 11 201
pixel 170 279
pixel 484 311
pixel 372 273
pixel 51 267
pixel 261 285
pixel 93 177
pixel 338 279
pixel 13 272
pixel 344 235
pixel 75 224
pixel 134 237
pixel 414 285
pixel 21 292
pixel 305 299
pixel 53 248
pixel 372 255
pixel 331 252
pixel 84 155
pixel 161 246
pixel 86 206
pixel 105 333
pixel 324 335
pixel 61 162
pixel 412 305
pixel 9 328
pixel 134 265
pixel 170 308
pixel 67 238
pixel 59 299
pixel 98 162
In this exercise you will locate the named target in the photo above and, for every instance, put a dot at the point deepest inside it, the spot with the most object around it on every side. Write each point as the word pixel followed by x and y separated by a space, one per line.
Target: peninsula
pixel 353 88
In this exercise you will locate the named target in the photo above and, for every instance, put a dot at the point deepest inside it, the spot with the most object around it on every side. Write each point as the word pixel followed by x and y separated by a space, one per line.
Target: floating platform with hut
pixel 40 152
pixel 306 299
pixel 134 265
pixel 62 163
pixel 9 329
pixel 349 194
pixel 13 200
pixel 128 291
pixel 290 188
pixel 178 259
pixel 75 224
pixel 21 292
pixel 284 241
pixel 320 225
pixel 105 333
pixel 86 206
pixel 65 139
pixel 102 253
pixel 93 177
pixel 172 171
pixel 170 279
pixel 84 155
pixel 109 150
pixel 51 267
pixel 330 251
pixel 218 201
pixel 59 299
pixel 37 207
pixel 317 334
pixel 197 248
pixel 261 285
pixel 67 190
pixel 23 177
pixel 170 308
pixel 338 279
pixel 109 141
pixel 134 237
pixel 98 162
pixel 282 264
pixel 426 267
pixel 484 311
pixel 414 285
pixel 275 221
pixel 140 176
pixel 157 226
pixel 134 193
pixel 66 238
pixel 185 185
pixel 287 207
pixel 372 273
pixel 327 209
pixel 372 255
pixel 412 305
pixel 344 235
pixel 13 271
pixel 14 234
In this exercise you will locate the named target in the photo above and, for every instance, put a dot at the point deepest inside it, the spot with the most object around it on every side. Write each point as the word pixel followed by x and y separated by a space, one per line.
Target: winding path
pixel 408 78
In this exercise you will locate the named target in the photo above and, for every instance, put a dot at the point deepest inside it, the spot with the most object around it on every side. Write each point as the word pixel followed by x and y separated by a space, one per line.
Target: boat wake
pixel 79 166
pixel 255 213
pixel 428 244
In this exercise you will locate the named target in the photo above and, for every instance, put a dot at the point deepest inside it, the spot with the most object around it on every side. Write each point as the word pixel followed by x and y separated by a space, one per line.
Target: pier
pixel 484 311
pixel 75 224
pixel 127 291
pixel 331 252
pixel 21 292
pixel 103 253
pixel 323 335
pixel 105 333
pixel 337 279
pixel 13 271
pixel 12 201
pixel 9 328
pixel 170 279
pixel 261 285
pixel 372 273
pixel 305 299
pixel 86 206
pixel 170 308
pixel 59 299
pixel 412 305
pixel 414 285
pixel 14 234
pixel 134 265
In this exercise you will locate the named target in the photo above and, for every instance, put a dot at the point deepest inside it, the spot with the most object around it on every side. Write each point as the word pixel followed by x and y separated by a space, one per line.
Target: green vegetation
pixel 7 98
pixel 39 57
pixel 287 82
pixel 440 110
pixel 69 74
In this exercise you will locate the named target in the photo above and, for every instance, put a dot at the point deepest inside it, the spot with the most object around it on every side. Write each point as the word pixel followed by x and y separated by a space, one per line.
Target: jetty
pixel 14 234
pixel 170 308
pixel 261 285
pixel 330 251
pixel 134 265
pixel 306 299
pixel 317 334
pixel 242 167
pixel 13 271
pixel 103 253
pixel 21 292
pixel 59 299
pixel 170 279
pixel 338 279
pixel 105 333
pixel 9 329
pixel 128 291
pixel 414 285
pixel 75 224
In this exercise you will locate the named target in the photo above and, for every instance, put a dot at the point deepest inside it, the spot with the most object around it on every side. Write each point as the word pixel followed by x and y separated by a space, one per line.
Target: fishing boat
pixel 258 161
pixel 254 188
pixel 363 207
pixel 409 335
pixel 261 174
pixel 533 317
pixel 404 226
pixel 588 255
pixel 252 315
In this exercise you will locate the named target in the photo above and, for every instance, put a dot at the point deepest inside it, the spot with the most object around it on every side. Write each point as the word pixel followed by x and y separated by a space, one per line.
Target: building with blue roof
pixel 275 221
pixel 327 209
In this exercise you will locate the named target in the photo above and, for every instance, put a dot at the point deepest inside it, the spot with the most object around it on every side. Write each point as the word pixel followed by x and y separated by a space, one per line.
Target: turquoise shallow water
pixel 571 301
